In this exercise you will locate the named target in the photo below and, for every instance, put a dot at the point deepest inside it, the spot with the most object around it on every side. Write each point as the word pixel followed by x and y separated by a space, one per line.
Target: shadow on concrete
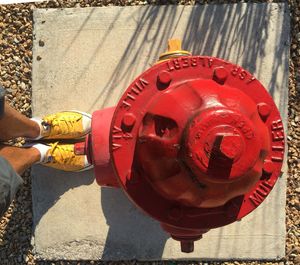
pixel 128 67
pixel 238 35
pixel 127 222
pixel 60 182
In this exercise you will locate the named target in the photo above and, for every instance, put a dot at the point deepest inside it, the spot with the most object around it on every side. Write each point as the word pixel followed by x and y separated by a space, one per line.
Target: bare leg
pixel 14 124
pixel 20 158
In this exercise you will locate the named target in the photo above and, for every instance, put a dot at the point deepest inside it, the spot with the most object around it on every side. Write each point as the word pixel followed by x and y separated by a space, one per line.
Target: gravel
pixel 15 76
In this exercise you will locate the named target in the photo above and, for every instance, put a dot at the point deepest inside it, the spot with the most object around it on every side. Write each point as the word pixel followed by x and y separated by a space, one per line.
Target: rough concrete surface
pixel 84 59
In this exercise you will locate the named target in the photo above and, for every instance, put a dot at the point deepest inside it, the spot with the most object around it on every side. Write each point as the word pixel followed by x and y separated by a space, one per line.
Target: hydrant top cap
pixel 221 140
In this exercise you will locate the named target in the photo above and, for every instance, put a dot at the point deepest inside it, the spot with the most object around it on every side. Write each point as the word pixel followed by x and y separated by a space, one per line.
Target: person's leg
pixel 13 124
pixel 13 162
pixel 10 182
pixel 20 158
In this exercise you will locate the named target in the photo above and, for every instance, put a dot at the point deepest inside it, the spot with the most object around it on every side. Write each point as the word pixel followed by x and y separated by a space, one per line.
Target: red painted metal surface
pixel 196 142
pixel 98 148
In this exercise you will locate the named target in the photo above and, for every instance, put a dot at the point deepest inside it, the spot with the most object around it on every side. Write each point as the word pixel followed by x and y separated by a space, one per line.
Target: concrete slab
pixel 84 59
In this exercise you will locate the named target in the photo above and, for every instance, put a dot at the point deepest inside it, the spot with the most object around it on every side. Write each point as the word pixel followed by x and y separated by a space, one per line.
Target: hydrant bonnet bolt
pixel 220 75
pixel 164 78
pixel 263 110
pixel 128 121
pixel 268 167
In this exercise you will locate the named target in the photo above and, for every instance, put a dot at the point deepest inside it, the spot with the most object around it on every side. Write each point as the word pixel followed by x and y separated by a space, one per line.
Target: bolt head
pixel 187 246
pixel 129 119
pixel 164 77
pixel 268 167
pixel 220 75
pixel 264 110
pixel 231 146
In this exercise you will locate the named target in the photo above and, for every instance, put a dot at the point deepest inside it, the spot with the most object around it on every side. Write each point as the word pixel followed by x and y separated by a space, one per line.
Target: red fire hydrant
pixel 195 142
